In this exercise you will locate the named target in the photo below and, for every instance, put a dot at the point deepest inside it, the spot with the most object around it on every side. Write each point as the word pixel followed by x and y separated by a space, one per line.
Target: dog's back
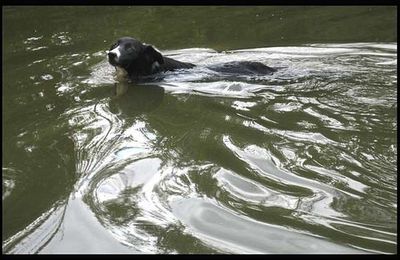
pixel 243 68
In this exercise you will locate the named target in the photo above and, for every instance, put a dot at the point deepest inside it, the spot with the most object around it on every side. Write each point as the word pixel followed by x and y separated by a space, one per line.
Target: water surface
pixel 301 161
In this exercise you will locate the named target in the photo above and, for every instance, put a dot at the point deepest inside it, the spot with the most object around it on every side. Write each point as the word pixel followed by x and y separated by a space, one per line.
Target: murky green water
pixel 302 161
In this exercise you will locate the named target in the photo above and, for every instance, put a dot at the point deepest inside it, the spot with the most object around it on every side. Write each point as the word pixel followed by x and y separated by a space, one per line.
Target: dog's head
pixel 134 56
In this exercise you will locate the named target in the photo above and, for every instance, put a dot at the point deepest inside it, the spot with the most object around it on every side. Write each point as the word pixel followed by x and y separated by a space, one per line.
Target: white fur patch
pixel 116 51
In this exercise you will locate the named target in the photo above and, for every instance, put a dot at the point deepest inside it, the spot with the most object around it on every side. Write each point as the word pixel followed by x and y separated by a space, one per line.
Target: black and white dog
pixel 135 60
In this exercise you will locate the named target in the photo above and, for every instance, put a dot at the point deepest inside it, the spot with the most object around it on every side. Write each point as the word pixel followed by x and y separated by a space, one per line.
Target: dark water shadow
pixel 131 100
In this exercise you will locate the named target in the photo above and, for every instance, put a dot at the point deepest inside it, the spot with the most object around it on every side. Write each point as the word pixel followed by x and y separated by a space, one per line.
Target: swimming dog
pixel 135 60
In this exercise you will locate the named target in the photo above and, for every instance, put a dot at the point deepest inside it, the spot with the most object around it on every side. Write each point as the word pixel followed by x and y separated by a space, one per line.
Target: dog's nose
pixel 112 55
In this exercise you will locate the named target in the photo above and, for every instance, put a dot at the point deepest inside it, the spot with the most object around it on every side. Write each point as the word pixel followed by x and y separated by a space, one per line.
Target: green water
pixel 299 162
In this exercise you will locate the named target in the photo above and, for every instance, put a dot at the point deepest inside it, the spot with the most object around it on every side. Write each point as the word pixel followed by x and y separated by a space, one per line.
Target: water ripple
pixel 304 160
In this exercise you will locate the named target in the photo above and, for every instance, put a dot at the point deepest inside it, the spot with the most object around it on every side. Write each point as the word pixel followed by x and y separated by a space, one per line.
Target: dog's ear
pixel 153 54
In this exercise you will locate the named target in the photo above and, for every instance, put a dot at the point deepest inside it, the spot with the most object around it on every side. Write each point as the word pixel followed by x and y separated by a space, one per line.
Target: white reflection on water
pixel 239 234
pixel 253 192
pixel 81 233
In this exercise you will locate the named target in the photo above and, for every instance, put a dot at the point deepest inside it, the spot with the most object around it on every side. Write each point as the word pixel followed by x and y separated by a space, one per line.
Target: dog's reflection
pixel 130 99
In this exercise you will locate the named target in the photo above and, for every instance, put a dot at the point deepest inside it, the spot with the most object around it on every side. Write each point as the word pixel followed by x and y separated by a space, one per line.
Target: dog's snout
pixel 112 55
